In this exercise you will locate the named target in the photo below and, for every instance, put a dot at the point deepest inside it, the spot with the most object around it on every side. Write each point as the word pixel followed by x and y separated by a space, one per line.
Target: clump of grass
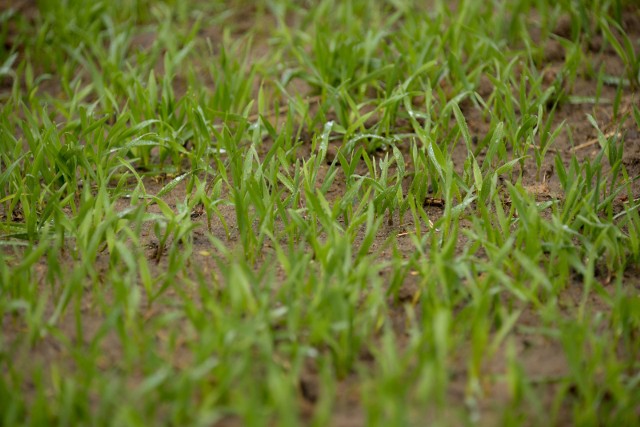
pixel 263 212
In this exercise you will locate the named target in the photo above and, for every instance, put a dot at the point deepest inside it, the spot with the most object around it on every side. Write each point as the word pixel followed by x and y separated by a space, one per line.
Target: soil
pixel 541 358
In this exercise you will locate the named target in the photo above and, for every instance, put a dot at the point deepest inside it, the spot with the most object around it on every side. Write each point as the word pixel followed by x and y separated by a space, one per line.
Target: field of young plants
pixel 319 213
